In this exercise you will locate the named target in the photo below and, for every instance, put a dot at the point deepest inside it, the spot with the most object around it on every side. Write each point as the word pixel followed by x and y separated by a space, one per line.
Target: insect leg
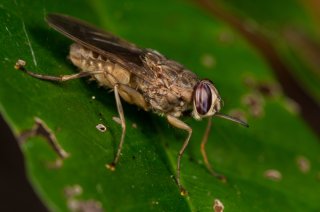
pixel 132 96
pixel 181 125
pixel 20 65
pixel 204 154
pixel 112 165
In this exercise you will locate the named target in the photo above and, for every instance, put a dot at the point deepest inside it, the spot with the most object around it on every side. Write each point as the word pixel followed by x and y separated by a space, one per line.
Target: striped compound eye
pixel 203 98
pixel 206 100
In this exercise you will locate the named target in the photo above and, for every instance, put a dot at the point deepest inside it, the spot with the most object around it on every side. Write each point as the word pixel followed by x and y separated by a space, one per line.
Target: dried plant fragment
pixel 41 129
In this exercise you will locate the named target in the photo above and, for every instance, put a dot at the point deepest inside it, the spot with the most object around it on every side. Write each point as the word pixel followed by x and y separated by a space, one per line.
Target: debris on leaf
pixel 273 174
pixel 76 205
pixel 41 129
pixel 116 119
pixel 101 128
pixel 218 206
pixel 20 64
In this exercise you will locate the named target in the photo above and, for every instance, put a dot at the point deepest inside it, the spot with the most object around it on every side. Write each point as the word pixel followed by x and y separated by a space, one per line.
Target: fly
pixel 143 77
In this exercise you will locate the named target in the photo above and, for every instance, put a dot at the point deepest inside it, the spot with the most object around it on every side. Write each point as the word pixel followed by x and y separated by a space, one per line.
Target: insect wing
pixel 115 49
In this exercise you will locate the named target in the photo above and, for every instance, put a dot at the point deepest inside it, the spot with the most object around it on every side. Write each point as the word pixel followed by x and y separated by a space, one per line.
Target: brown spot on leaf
pixel 255 103
pixel 303 164
pixel 84 206
pixel 266 89
pixel 75 205
pixel 226 37
pixel 269 89
pixel 55 164
pixel 208 61
pixel 72 191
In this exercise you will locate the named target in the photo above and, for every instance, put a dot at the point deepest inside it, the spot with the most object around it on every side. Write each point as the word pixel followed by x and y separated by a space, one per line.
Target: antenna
pixel 232 119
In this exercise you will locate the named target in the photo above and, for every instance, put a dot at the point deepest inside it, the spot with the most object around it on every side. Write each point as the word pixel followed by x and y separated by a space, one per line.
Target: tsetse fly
pixel 139 76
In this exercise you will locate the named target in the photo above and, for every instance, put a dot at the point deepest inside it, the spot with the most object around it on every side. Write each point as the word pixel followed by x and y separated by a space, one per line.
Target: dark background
pixel 16 194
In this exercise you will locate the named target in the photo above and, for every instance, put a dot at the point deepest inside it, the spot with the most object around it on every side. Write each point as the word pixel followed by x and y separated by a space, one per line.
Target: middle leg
pixel 113 164
pixel 181 125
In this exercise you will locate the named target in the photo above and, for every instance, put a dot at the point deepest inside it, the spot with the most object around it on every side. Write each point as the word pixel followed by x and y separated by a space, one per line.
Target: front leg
pixel 20 65
pixel 204 153
pixel 181 125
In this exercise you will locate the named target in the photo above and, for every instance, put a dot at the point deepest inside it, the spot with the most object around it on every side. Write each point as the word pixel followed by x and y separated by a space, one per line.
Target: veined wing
pixel 115 49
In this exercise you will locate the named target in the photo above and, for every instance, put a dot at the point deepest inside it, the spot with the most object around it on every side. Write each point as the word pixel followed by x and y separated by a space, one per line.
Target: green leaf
pixel 277 139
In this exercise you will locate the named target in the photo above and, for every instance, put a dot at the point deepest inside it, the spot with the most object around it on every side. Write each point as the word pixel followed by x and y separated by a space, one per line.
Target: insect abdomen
pixel 88 60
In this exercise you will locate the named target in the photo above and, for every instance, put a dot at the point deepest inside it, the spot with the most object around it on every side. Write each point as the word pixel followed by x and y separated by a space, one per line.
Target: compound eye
pixel 203 98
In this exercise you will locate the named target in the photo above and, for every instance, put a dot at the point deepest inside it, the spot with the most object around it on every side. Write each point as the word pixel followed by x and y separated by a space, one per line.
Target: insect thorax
pixel 170 86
